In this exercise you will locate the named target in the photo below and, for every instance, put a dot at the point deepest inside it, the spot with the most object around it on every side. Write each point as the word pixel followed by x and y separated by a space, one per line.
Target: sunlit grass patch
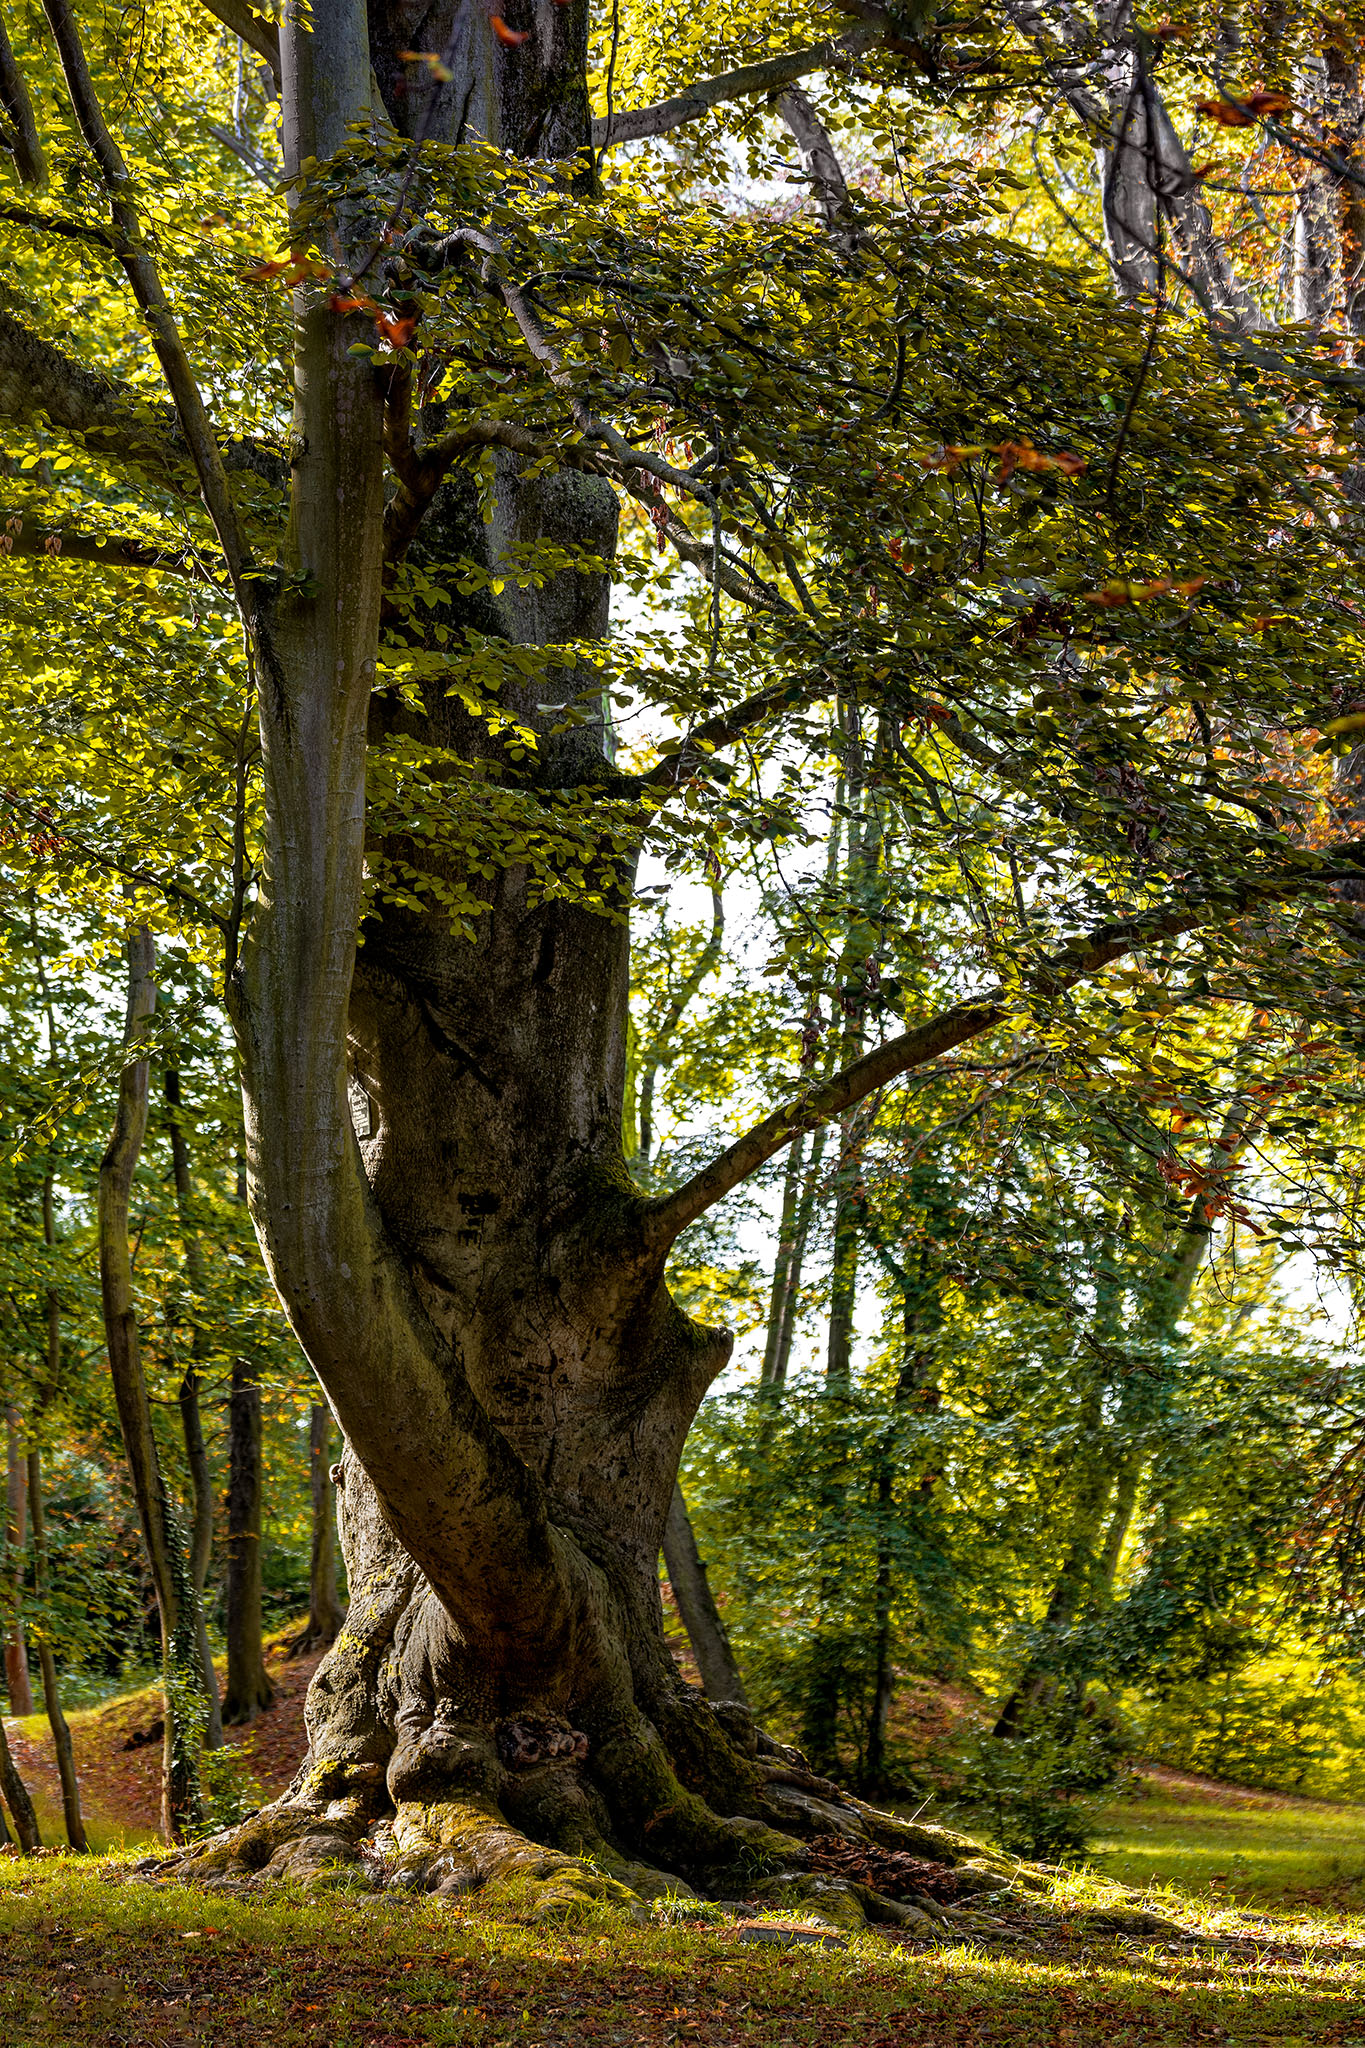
pixel 1263 1851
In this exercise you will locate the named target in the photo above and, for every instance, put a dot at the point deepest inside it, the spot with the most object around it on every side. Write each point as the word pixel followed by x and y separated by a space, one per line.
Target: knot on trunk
pixel 540 1740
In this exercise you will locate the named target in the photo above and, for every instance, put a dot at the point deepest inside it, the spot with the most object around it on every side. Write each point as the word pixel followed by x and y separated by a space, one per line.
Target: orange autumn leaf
pixel 1225 113
pixel 1241 113
pixel 397 333
pixel 1120 591
pixel 287 270
pixel 1023 455
pixel 1013 455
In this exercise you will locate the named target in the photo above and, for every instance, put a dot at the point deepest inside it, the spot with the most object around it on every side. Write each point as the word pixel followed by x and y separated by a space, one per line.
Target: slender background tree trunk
pixel 186 1709
pixel 17 1681
pixel 697 1605
pixel 191 1418
pixel 17 1799
pixel 47 1664
pixel 324 1602
pixel 249 1691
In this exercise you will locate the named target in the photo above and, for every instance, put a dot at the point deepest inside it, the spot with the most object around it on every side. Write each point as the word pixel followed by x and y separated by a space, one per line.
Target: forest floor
pixel 117 1747
pixel 1272 1890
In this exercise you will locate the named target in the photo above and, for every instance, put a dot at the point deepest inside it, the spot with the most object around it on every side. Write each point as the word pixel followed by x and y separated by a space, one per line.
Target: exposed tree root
pixel 615 1788
pixel 541 1839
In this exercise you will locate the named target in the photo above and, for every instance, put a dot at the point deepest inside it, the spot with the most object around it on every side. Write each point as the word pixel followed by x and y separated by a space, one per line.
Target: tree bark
pixel 47 1664
pixel 784 1271
pixel 1127 1485
pixel 185 1707
pixel 201 1543
pixel 827 1680
pixel 191 1420
pixel 18 1684
pixel 249 1691
pixel 922 1319
pixel 706 1631
pixel 791 1295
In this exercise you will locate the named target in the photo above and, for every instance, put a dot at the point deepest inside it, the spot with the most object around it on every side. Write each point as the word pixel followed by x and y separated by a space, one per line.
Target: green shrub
pixel 231 1790
pixel 1038 1791
pixel 1278 1727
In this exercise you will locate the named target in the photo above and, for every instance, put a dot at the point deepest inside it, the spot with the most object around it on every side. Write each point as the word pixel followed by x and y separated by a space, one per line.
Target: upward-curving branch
pixel 145 279
pixel 815 1105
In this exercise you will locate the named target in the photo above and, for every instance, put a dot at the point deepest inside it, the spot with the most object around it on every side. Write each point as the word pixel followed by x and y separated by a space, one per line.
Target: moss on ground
pixel 91 1960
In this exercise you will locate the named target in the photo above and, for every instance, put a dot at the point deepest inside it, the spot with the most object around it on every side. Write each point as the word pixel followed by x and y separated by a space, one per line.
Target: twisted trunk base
pixel 425 1771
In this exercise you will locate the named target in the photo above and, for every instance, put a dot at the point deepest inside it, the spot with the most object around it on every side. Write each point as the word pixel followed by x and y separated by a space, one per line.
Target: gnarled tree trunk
pixel 476 1281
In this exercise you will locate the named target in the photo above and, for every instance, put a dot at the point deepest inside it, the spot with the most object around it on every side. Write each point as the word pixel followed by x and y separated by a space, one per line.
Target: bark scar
pixel 451 1045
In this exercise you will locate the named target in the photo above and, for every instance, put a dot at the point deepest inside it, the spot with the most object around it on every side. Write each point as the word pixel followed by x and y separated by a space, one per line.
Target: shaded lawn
pixel 87 1961
pixel 1225 1845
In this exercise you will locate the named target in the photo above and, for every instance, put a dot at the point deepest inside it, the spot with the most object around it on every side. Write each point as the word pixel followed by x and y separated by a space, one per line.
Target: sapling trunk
pixel 324 1603
pixel 18 1683
pixel 191 1419
pixel 783 1267
pixel 17 1799
pixel 47 1664
pixel 791 1293
pixel 185 1706
pixel 921 1320
pixel 697 1605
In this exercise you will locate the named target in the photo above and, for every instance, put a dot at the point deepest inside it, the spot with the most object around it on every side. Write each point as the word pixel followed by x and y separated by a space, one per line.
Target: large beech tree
pixel 907 470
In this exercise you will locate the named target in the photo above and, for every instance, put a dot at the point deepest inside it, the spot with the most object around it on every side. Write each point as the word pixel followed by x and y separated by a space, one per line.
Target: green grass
pixel 90 1963
pixel 1277 1856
